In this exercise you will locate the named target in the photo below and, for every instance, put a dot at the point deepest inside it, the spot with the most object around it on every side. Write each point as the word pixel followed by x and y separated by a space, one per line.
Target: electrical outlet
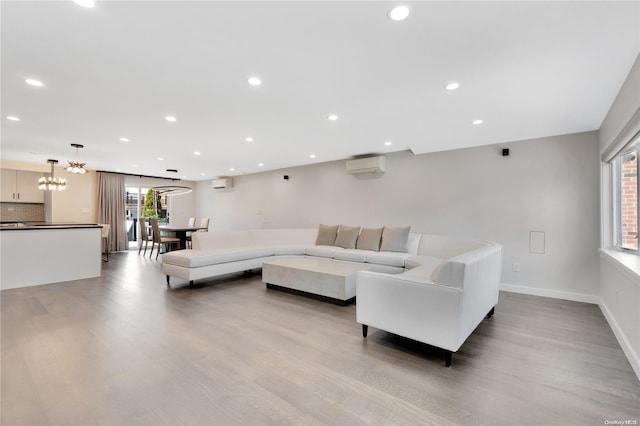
pixel 515 267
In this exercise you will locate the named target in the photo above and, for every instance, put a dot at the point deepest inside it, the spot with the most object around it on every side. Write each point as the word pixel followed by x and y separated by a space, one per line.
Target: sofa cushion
pixel 326 235
pixel 197 258
pixel 387 258
pixel 347 236
pixel 395 239
pixel 351 255
pixel 416 261
pixel 322 251
pixel 369 239
pixel 289 250
pixel 424 273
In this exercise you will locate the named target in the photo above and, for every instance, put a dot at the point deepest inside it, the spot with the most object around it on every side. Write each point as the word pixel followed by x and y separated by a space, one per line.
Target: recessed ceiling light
pixel 260 164
pixel 33 82
pixel 160 159
pixel 231 169
pixel 333 117
pixel 254 81
pixel 134 165
pixel 399 13
pixel 85 3
pixel 388 143
pixel 124 140
pixel 478 121
pixel 12 118
pixel 202 174
pixel 452 86
pixel 183 177
pixel 196 153
pixel 312 156
pixel 170 118
pixel 249 139
pixel 118 170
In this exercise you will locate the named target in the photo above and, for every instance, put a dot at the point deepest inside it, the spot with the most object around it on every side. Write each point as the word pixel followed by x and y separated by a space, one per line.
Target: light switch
pixel 536 242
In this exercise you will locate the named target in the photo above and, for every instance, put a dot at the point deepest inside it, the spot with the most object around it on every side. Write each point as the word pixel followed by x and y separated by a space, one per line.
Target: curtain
pixel 111 209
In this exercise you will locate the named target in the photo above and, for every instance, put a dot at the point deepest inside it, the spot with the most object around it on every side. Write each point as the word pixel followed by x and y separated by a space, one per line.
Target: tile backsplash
pixel 21 212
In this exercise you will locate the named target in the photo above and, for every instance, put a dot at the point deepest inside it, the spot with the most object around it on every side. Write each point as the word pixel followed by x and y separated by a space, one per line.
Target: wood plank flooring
pixel 124 349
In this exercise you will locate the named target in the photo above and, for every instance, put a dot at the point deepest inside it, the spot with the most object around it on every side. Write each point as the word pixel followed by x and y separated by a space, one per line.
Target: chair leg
pixel 365 329
pixel 447 358
pixel 152 247
pixel 158 252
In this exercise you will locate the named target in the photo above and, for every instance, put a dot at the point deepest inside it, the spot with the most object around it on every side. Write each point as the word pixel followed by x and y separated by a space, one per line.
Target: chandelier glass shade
pixel 51 183
pixel 76 166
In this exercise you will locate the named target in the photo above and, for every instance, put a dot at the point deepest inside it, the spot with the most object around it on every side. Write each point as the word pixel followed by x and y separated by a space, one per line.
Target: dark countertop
pixel 18 226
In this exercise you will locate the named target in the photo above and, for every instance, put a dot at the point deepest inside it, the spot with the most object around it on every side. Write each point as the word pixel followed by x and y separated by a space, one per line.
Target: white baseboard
pixel 632 356
pixel 555 294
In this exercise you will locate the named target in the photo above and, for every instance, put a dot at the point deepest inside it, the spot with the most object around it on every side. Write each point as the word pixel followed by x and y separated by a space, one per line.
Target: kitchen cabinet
pixel 20 186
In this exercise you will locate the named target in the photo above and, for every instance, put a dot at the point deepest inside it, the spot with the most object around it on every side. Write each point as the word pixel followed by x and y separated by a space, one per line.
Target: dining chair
pixel 159 239
pixel 104 233
pixel 144 235
pixel 190 223
pixel 204 223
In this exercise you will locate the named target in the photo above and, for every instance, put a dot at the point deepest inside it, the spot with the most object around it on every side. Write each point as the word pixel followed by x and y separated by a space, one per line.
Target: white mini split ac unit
pixel 366 165
pixel 222 183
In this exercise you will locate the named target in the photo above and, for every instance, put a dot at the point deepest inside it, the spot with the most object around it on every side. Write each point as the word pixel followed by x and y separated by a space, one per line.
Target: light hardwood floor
pixel 126 350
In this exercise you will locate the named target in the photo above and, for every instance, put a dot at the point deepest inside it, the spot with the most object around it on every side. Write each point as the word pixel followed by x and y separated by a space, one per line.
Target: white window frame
pixel 633 148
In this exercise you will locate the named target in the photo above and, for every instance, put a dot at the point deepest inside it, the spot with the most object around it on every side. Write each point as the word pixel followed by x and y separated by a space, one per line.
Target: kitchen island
pixel 46 253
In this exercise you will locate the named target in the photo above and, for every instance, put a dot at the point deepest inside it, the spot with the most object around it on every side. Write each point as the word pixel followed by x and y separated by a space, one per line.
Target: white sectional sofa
pixel 447 290
pixel 224 252
pixel 430 288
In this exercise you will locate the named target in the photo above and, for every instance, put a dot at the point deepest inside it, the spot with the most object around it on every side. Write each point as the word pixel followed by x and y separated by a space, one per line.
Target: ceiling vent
pixel 366 165
pixel 222 183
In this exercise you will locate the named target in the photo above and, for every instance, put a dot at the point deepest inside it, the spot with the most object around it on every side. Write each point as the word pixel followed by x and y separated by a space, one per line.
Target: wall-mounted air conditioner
pixel 222 183
pixel 366 165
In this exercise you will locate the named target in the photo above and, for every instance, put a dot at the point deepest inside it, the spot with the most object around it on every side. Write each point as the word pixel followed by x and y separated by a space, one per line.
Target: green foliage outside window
pixel 151 209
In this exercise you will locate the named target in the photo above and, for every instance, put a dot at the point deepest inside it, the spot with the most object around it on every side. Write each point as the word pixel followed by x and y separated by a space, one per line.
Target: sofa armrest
pixel 418 309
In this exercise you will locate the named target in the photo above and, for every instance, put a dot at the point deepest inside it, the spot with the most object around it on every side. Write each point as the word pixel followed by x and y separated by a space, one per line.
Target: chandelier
pixel 76 166
pixel 51 183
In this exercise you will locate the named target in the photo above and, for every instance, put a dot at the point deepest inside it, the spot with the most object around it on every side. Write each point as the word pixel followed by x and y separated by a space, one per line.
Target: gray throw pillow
pixel 395 239
pixel 347 236
pixel 326 235
pixel 369 239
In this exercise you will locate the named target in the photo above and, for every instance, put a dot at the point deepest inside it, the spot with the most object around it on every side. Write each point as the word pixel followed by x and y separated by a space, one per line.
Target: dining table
pixel 180 232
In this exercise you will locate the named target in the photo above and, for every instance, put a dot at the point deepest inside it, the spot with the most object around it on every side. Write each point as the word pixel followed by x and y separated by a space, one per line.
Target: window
pixel 626 198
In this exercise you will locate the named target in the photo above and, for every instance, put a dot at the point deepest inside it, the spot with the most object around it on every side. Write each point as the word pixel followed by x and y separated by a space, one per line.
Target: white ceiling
pixel 528 69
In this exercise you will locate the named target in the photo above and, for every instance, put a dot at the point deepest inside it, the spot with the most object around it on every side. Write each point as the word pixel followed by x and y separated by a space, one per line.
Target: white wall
pixel 548 185
pixel 619 290
pixel 79 202
pixel 620 118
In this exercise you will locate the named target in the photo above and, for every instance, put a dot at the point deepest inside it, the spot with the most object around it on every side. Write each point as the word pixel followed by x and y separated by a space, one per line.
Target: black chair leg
pixel 365 330
pixel 447 358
